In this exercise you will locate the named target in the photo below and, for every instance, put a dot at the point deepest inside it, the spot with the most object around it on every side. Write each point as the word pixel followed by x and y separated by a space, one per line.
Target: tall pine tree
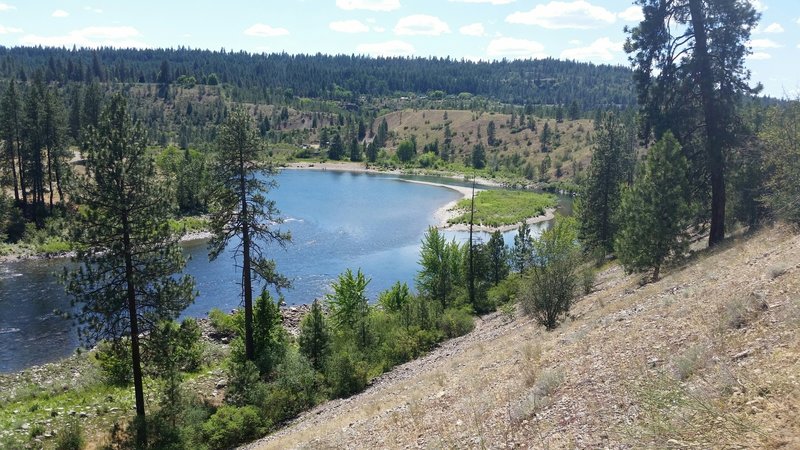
pixel 125 282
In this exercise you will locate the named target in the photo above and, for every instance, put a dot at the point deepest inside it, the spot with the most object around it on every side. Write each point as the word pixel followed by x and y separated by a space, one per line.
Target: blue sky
pixel 587 30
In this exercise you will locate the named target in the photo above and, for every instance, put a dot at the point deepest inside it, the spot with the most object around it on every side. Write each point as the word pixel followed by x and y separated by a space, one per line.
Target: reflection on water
pixel 338 220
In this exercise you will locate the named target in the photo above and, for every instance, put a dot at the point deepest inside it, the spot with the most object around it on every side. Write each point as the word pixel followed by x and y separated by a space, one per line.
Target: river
pixel 338 220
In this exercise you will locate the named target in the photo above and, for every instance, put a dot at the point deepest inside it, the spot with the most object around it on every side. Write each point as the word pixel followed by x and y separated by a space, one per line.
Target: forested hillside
pixel 260 77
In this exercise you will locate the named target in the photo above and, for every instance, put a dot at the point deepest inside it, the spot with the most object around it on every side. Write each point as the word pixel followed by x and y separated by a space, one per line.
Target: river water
pixel 338 220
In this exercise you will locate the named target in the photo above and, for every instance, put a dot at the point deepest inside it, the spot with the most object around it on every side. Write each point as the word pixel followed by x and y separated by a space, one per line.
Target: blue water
pixel 338 220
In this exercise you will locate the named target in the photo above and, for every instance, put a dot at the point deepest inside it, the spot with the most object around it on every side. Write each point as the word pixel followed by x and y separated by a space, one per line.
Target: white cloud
pixel 473 29
pixel 370 5
pixel 759 5
pixel 602 49
pixel 349 26
pixel 764 43
pixel 632 14
pixel 759 56
pixel 262 30
pixel 378 29
pixel 93 9
pixel 506 47
pixel 420 24
pixel 492 2
pixel 557 15
pixel 774 28
pixel 9 30
pixel 6 7
pixel 59 13
pixel 390 48
pixel 120 37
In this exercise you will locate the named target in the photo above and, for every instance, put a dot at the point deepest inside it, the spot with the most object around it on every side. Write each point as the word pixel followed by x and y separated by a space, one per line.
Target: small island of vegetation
pixel 497 208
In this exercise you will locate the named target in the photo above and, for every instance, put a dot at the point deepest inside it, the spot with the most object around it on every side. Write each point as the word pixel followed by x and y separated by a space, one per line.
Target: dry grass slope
pixel 573 150
pixel 707 357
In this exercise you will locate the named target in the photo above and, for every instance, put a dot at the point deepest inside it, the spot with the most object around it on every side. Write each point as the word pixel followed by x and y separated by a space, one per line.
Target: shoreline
pixel 442 215
pixel 28 255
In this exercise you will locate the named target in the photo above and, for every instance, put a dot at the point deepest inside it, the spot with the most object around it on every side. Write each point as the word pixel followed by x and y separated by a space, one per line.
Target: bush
pixel 293 391
pixel 115 362
pixel 456 322
pixel 404 344
pixel 506 291
pixel 346 373
pixel 232 425
pixel 70 437
pixel 550 288
pixel 227 324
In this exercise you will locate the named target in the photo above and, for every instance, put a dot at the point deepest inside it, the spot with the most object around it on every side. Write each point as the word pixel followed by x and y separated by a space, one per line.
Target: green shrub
pixel 456 322
pixel 227 324
pixel 115 362
pixel 294 390
pixel 244 383
pixel 232 425
pixel 404 344
pixel 346 373
pixel 506 290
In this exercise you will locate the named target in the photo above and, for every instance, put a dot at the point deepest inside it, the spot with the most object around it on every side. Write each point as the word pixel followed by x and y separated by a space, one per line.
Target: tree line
pixel 338 77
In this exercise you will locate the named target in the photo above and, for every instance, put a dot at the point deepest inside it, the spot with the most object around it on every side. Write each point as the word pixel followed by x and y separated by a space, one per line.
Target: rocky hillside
pixel 708 357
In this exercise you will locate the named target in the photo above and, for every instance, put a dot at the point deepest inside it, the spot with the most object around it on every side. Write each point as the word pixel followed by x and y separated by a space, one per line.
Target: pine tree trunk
pixel 13 166
pixel 50 176
pixel 716 163
pixel 138 386
pixel 246 275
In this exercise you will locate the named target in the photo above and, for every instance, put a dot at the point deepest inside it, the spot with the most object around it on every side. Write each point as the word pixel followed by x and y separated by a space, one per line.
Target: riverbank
pixel 443 215
pixel 24 253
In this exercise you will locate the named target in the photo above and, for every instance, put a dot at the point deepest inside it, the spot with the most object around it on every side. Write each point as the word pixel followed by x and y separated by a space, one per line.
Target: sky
pixel 584 30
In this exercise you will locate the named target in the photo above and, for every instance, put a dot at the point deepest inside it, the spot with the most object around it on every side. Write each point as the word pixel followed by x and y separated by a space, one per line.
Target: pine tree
pixel 498 257
pixel 478 156
pixel 125 283
pixel 11 130
pixel 653 214
pixel 440 268
pixel 521 252
pixel 336 149
pixel 242 210
pixel 689 59
pixel 314 339
pixel 490 134
pixel 601 190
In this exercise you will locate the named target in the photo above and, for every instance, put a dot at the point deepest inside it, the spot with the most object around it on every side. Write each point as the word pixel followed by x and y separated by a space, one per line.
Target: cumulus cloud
pixel 93 9
pixel 120 37
pixel 59 13
pixel 774 28
pixel 764 43
pixel 760 56
pixel 491 2
pixel 632 14
pixel 390 48
pixel 421 24
pixel 473 29
pixel 603 49
pixel 558 15
pixel 263 30
pixel 369 5
pixel 506 47
pixel 9 30
pixel 349 26
pixel 6 7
